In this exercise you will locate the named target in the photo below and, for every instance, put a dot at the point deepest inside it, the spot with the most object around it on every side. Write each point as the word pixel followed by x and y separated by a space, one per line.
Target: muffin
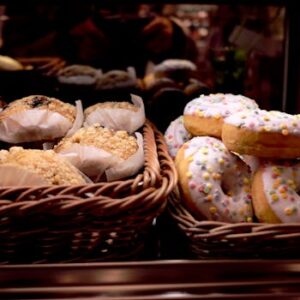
pixel 95 149
pixel 117 115
pixel 117 79
pixel 177 69
pixel 37 118
pixel 20 167
pixel 78 75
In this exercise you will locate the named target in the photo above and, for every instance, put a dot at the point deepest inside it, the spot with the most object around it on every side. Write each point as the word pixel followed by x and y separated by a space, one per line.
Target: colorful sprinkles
pixel 206 177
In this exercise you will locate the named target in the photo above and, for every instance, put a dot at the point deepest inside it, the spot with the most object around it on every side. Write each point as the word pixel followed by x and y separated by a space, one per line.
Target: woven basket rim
pixel 151 185
pixel 220 239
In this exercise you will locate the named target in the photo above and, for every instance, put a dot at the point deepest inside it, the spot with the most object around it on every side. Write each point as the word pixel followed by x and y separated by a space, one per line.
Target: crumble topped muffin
pixel 40 102
pixel 38 118
pixel 49 166
pixel 120 115
pixel 119 143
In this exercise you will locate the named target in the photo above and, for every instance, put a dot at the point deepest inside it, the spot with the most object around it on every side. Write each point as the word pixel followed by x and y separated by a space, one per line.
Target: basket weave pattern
pixel 103 221
pixel 212 239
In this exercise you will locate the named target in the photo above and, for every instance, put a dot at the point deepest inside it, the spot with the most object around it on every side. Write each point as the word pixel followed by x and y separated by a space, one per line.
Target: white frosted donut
pixel 205 115
pixel 176 135
pixel 215 183
pixel 261 133
pixel 274 190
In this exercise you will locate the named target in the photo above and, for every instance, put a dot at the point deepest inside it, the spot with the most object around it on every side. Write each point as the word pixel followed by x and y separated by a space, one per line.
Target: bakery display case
pixel 118 179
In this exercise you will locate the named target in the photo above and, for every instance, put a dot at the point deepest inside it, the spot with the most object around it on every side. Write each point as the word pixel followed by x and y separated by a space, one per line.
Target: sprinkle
pixel 216 176
pixel 213 209
pixel 246 180
pixel 294 124
pixel 282 189
pixel 201 188
pixel 190 158
pixel 205 175
pixel 267 128
pixel 209 169
pixel 189 174
pixel 276 183
pixel 266 118
pixel 285 132
pixel 192 185
pixel 247 189
pixel 283 126
pixel 217 116
pixel 199 113
pixel 284 195
pixel 209 197
pixel 261 128
pixel 204 151
pixel 289 211
pixel 230 193
pixel 207 188
pixel 249 219
pixel 221 161
pixel 274 197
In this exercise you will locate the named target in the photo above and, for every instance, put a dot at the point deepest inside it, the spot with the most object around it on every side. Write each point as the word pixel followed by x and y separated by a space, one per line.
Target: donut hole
pixel 228 182
pixel 225 186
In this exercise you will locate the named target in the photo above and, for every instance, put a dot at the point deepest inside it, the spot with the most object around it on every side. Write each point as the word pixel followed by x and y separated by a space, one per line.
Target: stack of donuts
pixel 236 162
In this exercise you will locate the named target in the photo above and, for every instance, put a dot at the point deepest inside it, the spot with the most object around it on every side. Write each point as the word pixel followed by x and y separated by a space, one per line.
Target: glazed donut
pixel 176 135
pixel 274 192
pixel 269 134
pixel 205 115
pixel 215 184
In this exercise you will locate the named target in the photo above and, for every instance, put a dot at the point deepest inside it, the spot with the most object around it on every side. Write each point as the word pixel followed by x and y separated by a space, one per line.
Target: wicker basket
pixel 104 221
pixel 212 239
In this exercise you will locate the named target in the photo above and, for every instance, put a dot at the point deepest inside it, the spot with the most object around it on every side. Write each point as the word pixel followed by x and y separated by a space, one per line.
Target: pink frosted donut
pixel 176 135
pixel 204 116
pixel 274 190
pixel 215 183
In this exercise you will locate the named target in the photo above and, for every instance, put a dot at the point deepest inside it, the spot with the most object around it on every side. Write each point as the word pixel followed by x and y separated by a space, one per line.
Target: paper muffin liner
pixel 129 167
pixel 38 124
pixel 78 119
pixel 79 79
pixel 130 82
pixel 95 162
pixel 17 176
pixel 117 118
pixel 14 175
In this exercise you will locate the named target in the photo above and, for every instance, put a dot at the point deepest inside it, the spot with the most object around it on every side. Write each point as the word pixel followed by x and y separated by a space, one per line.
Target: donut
pixel 274 192
pixel 205 115
pixel 268 134
pixel 215 183
pixel 176 135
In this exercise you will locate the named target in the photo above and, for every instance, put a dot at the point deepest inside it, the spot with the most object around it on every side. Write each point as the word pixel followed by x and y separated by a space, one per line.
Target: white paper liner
pixel 78 119
pixel 117 118
pixel 94 162
pixel 131 81
pixel 130 166
pixel 89 160
pixel 12 175
pixel 16 176
pixel 33 125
